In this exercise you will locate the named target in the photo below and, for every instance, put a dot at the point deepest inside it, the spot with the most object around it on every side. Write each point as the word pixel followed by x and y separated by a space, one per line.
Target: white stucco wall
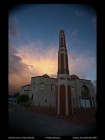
pixel 73 93
pixel 44 91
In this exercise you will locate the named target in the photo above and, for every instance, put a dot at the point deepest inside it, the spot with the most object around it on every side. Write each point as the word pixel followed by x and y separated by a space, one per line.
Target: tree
pixel 23 98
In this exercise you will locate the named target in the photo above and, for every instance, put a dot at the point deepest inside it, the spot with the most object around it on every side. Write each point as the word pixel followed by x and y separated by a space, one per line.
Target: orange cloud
pixel 44 61
pixel 35 60
pixel 29 61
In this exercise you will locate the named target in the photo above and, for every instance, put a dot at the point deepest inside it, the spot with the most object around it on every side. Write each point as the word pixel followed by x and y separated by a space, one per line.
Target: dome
pixel 74 77
pixel 45 76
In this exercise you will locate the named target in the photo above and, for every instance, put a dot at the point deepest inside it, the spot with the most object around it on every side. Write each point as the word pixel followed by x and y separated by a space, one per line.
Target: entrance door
pixel 85 103
pixel 82 103
pixel 62 100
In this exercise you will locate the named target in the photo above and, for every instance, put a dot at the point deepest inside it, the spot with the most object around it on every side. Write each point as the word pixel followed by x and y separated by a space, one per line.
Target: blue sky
pixel 34 40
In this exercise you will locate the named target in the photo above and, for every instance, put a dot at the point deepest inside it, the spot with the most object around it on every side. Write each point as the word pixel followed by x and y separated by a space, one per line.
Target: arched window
pixel 51 87
pixel 85 91
pixel 42 86
pixel 85 99
pixel 45 101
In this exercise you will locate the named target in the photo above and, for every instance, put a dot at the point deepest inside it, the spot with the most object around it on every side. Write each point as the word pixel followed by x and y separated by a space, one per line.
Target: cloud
pixel 13 28
pixel 79 13
pixel 29 61
pixel 20 73
pixel 93 21
pixel 34 59
pixel 44 60
pixel 80 64
pixel 74 33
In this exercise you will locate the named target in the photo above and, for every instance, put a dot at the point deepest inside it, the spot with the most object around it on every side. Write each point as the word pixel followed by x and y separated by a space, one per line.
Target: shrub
pixel 23 98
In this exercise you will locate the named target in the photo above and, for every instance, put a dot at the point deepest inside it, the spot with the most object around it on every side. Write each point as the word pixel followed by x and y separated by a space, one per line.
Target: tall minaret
pixel 64 101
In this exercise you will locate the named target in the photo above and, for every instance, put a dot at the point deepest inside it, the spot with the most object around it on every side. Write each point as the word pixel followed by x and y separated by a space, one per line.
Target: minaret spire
pixel 64 100
pixel 62 55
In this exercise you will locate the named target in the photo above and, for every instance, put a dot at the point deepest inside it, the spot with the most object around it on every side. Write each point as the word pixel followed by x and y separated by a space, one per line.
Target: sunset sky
pixel 34 41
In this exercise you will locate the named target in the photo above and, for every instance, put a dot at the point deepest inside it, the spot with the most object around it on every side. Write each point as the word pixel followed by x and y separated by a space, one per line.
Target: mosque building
pixel 64 93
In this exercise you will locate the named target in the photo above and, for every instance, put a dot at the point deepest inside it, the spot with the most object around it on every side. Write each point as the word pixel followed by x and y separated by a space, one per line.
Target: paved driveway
pixel 26 123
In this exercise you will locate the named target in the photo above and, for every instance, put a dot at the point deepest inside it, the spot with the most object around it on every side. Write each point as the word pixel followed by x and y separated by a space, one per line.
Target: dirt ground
pixel 43 121
pixel 79 115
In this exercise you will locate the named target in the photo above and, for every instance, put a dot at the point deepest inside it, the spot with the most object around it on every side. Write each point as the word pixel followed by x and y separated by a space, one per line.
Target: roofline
pixel 44 77
pixel 80 79
pixel 25 86
pixel 84 79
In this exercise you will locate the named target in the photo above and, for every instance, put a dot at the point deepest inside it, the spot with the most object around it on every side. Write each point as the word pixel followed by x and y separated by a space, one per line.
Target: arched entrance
pixel 85 98
pixel 62 100
pixel 69 100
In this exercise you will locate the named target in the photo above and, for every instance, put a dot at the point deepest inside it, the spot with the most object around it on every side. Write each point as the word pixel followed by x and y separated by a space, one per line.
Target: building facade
pixel 65 93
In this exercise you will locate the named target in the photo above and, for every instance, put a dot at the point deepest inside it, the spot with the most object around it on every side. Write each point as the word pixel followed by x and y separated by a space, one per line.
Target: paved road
pixel 25 123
